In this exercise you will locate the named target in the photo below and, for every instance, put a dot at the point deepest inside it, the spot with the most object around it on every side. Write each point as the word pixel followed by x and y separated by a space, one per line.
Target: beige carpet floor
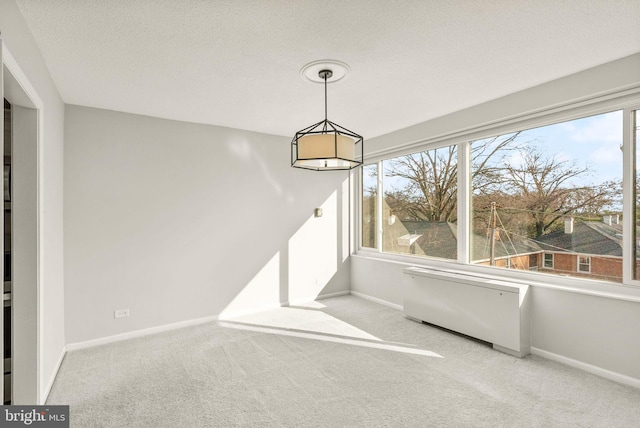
pixel 340 362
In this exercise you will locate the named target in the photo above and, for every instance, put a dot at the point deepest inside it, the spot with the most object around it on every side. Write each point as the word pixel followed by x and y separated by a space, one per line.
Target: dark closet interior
pixel 7 253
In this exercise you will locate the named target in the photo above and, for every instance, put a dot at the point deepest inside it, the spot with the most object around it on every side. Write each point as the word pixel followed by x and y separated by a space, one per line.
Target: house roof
pixel 587 238
pixel 438 239
pixel 504 246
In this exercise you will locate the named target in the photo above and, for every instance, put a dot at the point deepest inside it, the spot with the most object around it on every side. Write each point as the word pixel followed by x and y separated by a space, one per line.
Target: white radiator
pixel 488 309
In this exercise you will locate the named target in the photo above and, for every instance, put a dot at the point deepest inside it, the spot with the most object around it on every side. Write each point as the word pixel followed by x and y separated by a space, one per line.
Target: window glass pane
pixel 584 264
pixel 548 260
pixel 555 189
pixel 369 212
pixel 419 212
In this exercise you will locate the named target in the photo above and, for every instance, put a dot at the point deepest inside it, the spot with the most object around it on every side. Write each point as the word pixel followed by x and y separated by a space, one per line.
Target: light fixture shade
pixel 326 146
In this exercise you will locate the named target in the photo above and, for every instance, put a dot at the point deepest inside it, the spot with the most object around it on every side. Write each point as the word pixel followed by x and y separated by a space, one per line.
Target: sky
pixel 594 142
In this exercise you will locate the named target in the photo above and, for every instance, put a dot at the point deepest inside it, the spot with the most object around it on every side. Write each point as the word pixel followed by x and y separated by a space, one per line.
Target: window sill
pixel 589 287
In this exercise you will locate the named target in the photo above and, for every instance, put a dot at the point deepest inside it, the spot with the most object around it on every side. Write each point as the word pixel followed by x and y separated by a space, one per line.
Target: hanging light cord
pixel 325 96
pixel 325 74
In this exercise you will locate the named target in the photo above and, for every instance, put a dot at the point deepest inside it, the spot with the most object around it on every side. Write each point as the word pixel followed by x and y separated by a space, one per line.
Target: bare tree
pixel 548 188
pixel 487 175
pixel 406 206
pixel 429 190
pixel 529 186
pixel 430 183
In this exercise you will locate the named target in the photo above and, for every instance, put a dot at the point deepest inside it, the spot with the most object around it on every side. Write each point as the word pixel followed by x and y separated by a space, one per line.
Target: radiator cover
pixel 488 309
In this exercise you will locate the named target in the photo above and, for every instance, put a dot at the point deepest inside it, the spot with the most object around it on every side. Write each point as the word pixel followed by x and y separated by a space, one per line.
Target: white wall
pixel 18 40
pixel 598 331
pixel 582 329
pixel 179 221
pixel 615 76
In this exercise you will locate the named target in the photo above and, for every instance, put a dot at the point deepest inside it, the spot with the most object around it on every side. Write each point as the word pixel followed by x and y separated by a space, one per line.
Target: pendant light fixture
pixel 326 146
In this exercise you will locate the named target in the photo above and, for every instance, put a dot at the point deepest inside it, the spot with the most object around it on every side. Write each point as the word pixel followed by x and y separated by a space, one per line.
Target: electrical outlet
pixel 121 313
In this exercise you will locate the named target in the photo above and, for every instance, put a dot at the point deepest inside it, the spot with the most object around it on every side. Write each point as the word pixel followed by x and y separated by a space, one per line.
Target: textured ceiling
pixel 236 63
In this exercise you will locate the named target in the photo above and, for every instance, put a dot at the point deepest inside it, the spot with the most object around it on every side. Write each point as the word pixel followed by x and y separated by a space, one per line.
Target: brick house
pixel 584 248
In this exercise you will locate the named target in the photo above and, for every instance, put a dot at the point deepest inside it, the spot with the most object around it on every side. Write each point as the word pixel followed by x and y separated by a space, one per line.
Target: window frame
pixel 579 264
pixel 626 101
pixel 378 209
pixel 628 196
pixel 544 260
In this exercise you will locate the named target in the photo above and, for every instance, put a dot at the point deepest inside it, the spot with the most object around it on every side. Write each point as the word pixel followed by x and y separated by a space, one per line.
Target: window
pixel 419 204
pixel 584 264
pixel 546 199
pixel 369 205
pixel 555 188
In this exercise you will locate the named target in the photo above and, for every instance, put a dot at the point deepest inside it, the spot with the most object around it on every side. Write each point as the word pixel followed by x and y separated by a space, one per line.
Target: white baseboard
pixel 598 371
pixel 139 333
pixel 45 394
pixel 380 301
pixel 315 298
pixel 188 323
pixel 335 294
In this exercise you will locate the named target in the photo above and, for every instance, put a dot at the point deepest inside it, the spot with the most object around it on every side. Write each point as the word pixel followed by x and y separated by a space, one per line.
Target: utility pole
pixel 492 235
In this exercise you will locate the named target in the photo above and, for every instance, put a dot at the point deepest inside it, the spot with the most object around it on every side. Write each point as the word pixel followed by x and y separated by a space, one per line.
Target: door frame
pixel 18 90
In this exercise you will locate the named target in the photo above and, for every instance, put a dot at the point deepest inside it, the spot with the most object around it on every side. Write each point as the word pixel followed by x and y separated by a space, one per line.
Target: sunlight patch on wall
pixel 242 149
pixel 313 253
pixel 262 292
